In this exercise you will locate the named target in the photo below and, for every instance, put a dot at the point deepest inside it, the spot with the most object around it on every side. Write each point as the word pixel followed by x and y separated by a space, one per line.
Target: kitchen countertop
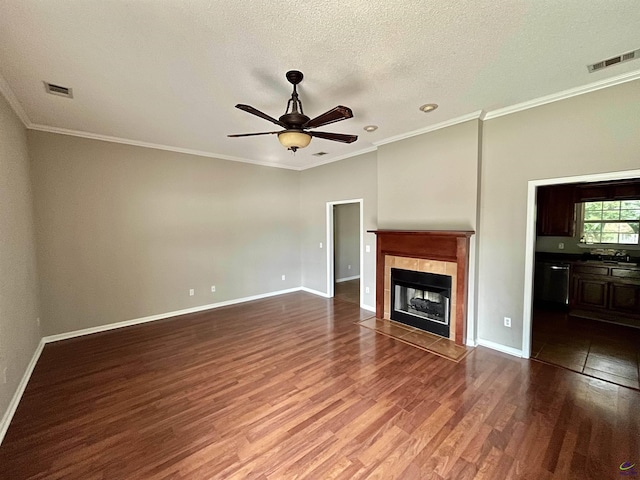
pixel 585 258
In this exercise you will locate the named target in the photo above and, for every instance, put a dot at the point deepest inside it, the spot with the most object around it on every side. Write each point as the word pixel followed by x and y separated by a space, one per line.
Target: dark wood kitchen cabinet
pixel 556 211
pixel 606 292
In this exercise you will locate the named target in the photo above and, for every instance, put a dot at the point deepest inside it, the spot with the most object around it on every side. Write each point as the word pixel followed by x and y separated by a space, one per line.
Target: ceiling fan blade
pixel 258 113
pixel 251 134
pixel 334 115
pixel 336 137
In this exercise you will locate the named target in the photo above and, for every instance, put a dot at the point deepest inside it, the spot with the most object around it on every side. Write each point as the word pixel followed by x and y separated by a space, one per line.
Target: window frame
pixel 581 222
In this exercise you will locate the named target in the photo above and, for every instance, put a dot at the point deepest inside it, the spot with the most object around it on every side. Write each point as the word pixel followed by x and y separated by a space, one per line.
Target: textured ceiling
pixel 170 72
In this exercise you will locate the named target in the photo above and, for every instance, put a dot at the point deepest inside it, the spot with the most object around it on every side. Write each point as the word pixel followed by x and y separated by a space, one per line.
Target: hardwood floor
pixel 292 387
pixel 348 291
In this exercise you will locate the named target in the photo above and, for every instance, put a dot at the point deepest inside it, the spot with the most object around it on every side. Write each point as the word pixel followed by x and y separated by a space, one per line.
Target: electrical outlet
pixel 38 321
pixel 4 376
pixel 507 322
pixel 367 248
pixel 213 288
pixel 191 292
pixel 561 246
pixel 320 244
pixel 349 267
pixel 284 277
pixel 366 289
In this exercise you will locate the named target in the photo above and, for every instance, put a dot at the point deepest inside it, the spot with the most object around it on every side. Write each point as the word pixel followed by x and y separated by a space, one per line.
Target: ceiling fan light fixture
pixel 293 140
pixel 370 128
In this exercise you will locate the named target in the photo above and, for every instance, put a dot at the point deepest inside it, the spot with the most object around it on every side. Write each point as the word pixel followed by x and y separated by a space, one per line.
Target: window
pixel 615 221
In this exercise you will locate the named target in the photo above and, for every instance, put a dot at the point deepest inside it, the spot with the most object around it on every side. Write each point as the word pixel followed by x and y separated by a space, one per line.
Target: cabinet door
pixel 590 292
pixel 556 211
pixel 624 298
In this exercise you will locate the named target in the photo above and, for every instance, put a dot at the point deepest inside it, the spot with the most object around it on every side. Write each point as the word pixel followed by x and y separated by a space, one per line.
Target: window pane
pixel 611 215
pixel 595 215
pixel 611 205
pixel 592 237
pixel 631 204
pixel 593 206
pixel 630 214
pixel 595 227
pixel 609 238
pixel 629 238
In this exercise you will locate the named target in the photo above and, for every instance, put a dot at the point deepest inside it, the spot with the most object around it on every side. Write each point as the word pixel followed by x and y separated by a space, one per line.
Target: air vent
pixel 625 57
pixel 58 90
pixel 319 154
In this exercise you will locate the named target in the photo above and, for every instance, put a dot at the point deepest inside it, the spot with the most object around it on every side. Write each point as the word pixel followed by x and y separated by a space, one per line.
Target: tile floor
pixel 418 338
pixel 602 350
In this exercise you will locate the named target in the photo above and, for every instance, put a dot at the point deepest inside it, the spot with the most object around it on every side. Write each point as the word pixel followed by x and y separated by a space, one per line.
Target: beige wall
pixel 592 133
pixel 429 182
pixel 347 240
pixel 348 179
pixel 124 232
pixel 19 331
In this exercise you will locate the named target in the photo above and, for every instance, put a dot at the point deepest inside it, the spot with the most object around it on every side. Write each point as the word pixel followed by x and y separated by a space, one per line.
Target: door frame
pixel 530 244
pixel 331 247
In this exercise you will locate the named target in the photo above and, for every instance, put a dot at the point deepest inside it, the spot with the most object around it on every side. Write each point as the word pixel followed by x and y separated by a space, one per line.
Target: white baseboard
pixel 347 279
pixel 17 396
pixel 500 348
pixel 314 292
pixel 471 343
pixel 161 316
pixel 368 307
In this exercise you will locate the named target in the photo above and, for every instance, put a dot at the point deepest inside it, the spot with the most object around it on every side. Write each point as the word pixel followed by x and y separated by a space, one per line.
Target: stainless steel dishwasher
pixel 551 287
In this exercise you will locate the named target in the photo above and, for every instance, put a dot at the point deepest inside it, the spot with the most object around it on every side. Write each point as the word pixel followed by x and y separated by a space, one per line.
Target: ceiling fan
pixel 296 124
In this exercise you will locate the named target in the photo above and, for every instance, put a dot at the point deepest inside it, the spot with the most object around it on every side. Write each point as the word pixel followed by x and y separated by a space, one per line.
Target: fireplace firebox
pixel 422 300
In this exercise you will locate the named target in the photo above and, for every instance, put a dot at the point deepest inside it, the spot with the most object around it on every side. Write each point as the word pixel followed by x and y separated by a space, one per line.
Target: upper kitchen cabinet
pixel 556 211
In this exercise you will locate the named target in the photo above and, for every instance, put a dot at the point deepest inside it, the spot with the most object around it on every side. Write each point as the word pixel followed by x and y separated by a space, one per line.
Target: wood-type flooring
pixel 291 387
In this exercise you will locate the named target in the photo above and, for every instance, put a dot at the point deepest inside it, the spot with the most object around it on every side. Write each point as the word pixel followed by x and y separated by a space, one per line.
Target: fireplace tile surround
pixel 432 251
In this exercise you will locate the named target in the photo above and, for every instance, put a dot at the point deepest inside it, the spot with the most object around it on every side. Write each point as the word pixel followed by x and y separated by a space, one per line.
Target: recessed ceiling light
pixel 428 107
pixel 370 128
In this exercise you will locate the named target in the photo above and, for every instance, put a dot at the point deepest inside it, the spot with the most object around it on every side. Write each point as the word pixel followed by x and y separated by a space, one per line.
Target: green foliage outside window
pixel 615 221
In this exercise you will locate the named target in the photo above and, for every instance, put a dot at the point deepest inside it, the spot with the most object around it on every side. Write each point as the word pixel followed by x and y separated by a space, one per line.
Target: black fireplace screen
pixel 421 299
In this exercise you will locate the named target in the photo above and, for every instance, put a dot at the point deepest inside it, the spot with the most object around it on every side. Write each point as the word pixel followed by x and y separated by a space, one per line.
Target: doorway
pixel 562 322
pixel 345 238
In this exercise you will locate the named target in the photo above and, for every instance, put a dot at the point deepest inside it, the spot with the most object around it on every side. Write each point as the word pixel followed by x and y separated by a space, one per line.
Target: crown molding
pixel 572 92
pixel 11 98
pixel 431 128
pixel 157 146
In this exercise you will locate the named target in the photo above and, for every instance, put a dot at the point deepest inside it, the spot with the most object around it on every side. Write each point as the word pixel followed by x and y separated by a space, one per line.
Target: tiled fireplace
pixel 422 279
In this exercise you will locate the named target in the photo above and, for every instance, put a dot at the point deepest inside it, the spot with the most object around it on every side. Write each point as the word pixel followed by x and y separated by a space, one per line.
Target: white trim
pixel 347 279
pixel 471 343
pixel 556 97
pixel 368 307
pixel 530 243
pixel 499 347
pixel 157 146
pixel 161 316
pixel 6 91
pixel 331 248
pixel 314 292
pixel 17 396
pixel 449 123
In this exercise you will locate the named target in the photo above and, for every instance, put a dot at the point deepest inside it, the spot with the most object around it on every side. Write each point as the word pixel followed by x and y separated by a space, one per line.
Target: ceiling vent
pixel 319 154
pixel 625 57
pixel 58 90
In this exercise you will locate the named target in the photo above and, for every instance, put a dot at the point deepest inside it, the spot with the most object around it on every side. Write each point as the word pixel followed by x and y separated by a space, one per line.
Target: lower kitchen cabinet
pixel 604 292
pixel 589 292
pixel 624 298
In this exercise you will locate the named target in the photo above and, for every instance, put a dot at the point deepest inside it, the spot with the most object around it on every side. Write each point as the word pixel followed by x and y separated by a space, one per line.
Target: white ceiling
pixel 170 72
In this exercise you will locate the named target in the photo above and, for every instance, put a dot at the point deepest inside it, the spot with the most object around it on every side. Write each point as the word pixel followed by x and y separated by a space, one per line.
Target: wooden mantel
pixel 443 245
